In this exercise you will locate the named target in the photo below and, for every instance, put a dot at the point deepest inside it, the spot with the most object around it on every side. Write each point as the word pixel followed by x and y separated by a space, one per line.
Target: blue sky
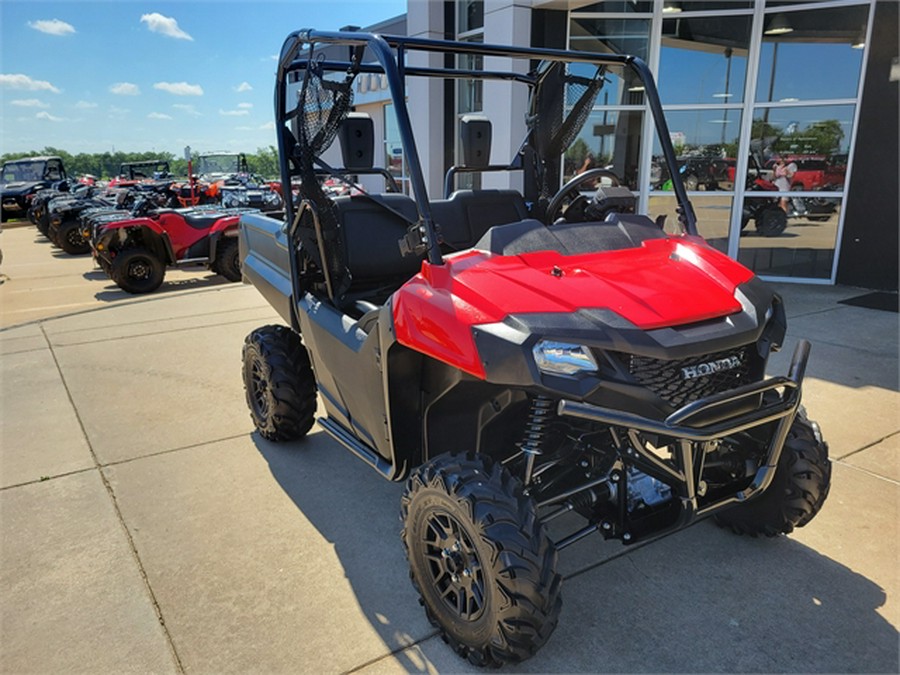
pixel 131 75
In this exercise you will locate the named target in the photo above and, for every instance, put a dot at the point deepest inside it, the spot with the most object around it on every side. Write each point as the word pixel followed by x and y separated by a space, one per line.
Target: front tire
pixel 228 260
pixel 798 490
pixel 279 383
pixel 137 270
pixel 480 559
pixel 71 240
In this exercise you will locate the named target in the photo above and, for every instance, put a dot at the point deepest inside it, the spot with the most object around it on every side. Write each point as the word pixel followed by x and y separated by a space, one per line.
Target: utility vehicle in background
pixel 514 356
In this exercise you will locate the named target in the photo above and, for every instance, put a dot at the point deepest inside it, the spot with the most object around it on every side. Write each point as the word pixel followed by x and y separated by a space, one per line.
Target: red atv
pixel 135 252
pixel 514 356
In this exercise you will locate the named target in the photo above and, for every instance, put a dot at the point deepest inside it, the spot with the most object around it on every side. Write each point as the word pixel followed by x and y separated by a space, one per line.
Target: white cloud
pixel 245 105
pixel 242 87
pixel 116 112
pixel 52 26
pixel 166 25
pixel 159 116
pixel 234 113
pixel 19 81
pixel 29 103
pixel 180 88
pixel 84 105
pixel 125 89
pixel 187 108
pixel 43 115
pixel 268 126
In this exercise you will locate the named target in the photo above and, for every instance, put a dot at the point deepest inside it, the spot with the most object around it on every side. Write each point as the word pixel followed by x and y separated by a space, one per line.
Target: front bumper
pixel 775 400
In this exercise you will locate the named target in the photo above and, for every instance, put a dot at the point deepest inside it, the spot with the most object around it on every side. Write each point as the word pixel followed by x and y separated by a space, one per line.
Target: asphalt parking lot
pixel 144 526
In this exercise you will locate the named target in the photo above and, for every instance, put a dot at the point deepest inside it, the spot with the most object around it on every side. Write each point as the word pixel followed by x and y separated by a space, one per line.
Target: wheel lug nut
pixel 455 578
pixel 456 546
pixel 466 573
pixel 445 554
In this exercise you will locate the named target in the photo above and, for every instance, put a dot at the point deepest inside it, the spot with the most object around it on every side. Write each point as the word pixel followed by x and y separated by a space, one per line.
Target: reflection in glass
pixel 471 15
pixel 815 139
pixel 673 7
pixel 706 143
pixel 803 248
pixel 713 216
pixel 811 55
pixel 614 36
pixel 619 6
pixel 393 148
pixel 704 60
pixel 609 140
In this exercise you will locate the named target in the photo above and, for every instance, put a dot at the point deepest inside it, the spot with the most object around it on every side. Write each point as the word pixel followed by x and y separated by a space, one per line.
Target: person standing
pixel 784 174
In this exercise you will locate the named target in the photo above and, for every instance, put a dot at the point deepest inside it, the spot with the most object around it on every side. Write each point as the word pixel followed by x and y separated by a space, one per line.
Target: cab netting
pixel 559 107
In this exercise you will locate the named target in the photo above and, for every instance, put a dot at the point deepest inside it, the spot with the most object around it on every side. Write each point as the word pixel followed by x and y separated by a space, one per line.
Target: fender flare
pixel 154 237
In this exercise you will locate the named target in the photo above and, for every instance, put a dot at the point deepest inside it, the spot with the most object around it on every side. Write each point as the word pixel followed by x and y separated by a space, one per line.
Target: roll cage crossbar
pixel 390 59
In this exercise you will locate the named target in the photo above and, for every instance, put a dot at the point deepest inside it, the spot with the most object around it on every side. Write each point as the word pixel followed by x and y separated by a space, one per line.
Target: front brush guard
pixel 683 474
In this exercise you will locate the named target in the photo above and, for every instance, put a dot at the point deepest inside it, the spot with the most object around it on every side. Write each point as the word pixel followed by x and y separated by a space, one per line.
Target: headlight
pixel 563 358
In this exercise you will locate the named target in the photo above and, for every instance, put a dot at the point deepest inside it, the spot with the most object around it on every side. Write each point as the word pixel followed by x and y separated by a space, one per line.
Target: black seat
pixel 371 233
pixel 201 221
pixel 468 214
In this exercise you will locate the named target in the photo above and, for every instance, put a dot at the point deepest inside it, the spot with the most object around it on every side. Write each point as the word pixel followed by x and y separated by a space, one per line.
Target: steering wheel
pixel 573 188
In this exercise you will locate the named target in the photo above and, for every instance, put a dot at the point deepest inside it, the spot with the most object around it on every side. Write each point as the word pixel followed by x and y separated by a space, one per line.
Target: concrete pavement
pixel 144 527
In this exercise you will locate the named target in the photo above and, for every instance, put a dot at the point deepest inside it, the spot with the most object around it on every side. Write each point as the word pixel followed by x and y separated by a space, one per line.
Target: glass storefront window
pixel 471 15
pixel 704 59
pixel 713 216
pixel 793 245
pixel 671 7
pixel 393 148
pixel 620 6
pixel 811 54
pixel 706 143
pixel 815 139
pixel 609 140
pixel 614 36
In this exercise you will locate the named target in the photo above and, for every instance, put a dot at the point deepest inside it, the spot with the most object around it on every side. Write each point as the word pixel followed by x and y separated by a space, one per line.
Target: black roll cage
pixel 391 52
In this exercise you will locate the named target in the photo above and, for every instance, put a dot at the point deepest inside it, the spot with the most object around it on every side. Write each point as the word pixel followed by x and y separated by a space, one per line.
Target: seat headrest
pixel 357 134
pixel 475 140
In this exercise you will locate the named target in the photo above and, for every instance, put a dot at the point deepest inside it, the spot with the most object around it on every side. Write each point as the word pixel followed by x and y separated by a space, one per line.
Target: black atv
pixel 514 356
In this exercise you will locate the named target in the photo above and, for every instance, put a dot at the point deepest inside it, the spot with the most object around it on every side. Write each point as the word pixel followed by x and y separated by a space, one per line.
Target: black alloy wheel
pixel 137 270
pixel 71 240
pixel 480 559
pixel 279 383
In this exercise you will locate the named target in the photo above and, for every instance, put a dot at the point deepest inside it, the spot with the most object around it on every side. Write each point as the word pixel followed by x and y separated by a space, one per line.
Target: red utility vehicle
pixel 514 356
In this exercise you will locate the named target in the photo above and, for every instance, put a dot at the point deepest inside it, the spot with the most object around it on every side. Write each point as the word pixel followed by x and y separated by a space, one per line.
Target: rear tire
pixel 279 383
pixel 798 490
pixel 228 260
pixel 480 559
pixel 71 240
pixel 137 270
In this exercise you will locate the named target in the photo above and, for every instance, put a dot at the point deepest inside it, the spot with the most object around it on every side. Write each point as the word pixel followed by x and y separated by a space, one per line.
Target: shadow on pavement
pixel 113 292
pixel 702 600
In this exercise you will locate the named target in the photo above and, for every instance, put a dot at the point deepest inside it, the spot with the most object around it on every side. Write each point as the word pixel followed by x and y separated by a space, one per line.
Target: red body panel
pixel 665 282
pixel 181 235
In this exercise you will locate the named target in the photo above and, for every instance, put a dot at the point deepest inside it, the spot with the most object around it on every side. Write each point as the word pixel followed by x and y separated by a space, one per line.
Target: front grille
pixel 706 375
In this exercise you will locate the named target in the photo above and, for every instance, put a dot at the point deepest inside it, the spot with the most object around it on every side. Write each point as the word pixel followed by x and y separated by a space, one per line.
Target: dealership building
pixel 742 83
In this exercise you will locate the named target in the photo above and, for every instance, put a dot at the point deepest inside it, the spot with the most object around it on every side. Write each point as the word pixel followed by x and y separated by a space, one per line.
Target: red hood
pixel 665 282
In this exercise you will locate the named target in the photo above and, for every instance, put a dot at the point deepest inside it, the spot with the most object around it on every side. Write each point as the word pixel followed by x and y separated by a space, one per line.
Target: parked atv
pixel 135 252
pixel 515 356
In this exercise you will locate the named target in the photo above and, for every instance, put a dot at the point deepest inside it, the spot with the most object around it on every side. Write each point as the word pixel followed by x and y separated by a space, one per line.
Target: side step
pixel 354 445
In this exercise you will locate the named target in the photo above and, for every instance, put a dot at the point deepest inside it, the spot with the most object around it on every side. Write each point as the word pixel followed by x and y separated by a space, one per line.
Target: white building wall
pixel 425 96
pixel 506 22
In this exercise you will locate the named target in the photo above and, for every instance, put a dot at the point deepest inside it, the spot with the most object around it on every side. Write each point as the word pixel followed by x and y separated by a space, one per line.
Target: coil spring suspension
pixel 535 430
